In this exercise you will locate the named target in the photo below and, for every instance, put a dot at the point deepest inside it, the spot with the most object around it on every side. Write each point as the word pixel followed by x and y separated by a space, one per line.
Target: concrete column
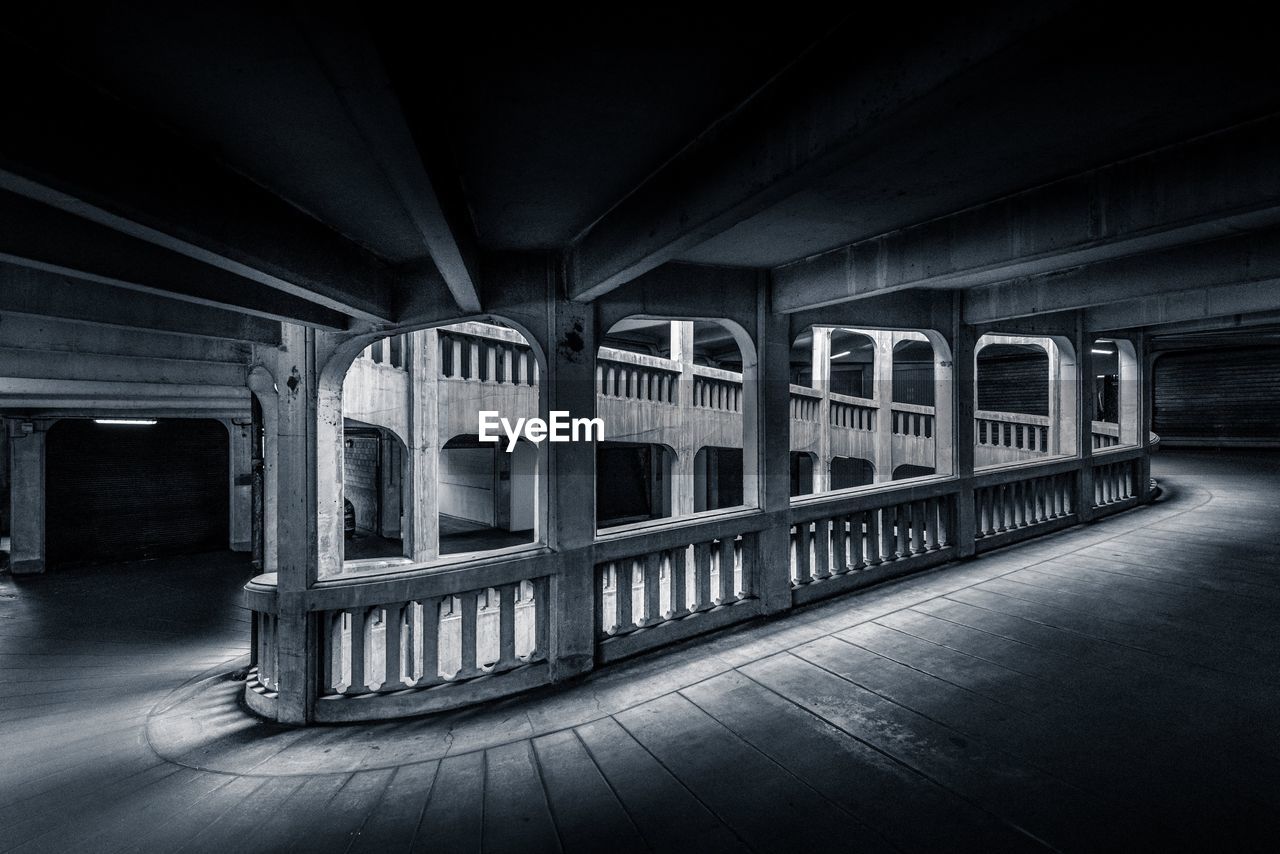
pixel 685 491
pixel 684 482
pixel 1142 400
pixel 241 477
pixel 263 385
pixel 821 372
pixel 771 420
pixel 1129 368
pixel 1077 415
pixel 421 527
pixel 962 397
pixel 26 497
pixel 883 393
pixel 569 384
pixel 298 541
pixel 391 485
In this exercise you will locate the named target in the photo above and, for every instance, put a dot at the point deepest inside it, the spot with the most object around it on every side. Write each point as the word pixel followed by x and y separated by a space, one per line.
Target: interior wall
pixel 360 479
pixel 1014 383
pixel 466 481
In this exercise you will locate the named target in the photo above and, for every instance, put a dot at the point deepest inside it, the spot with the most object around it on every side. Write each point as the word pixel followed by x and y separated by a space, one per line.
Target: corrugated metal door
pixel 124 492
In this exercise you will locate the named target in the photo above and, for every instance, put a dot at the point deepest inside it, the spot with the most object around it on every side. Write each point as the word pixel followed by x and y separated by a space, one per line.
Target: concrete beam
pixel 360 81
pixel 28 291
pixel 1249 258
pixel 814 115
pixel 45 238
pixel 1210 187
pixel 71 147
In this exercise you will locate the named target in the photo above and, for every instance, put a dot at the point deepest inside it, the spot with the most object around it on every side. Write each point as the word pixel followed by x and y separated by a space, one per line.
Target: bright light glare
pixel 136 422
pixel 845 353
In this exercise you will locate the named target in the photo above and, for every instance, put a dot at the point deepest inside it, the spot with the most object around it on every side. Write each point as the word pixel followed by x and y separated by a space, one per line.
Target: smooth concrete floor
pixel 1113 687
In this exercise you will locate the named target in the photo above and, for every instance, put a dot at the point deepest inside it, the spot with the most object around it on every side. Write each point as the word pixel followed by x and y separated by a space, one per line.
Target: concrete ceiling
pixel 360 158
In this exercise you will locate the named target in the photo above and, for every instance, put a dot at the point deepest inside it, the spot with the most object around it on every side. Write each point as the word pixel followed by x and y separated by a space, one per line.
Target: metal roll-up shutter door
pixel 1218 395
pixel 125 492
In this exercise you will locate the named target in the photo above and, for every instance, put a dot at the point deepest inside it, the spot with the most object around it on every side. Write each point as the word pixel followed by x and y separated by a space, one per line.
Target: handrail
pixel 717 374
pixel 913 407
pixel 627 357
pixel 1012 417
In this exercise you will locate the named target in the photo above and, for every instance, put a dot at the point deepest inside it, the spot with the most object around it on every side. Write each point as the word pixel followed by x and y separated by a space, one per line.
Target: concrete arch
pixel 334 357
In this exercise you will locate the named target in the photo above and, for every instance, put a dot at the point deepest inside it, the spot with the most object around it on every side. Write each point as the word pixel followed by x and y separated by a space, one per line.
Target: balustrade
pixel 911 420
pixel 479 358
pixel 804 403
pixel 681 589
pixel 854 413
pixel 717 390
pixel 1114 482
pixel 1014 504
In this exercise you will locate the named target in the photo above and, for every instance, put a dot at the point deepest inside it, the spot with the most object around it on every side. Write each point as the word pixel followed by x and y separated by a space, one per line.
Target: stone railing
pixel 717 389
pixel 912 420
pixel 805 403
pixel 1105 434
pixel 657 587
pixel 634 376
pixel 854 413
pixel 431 637
pixel 861 539
pixel 477 352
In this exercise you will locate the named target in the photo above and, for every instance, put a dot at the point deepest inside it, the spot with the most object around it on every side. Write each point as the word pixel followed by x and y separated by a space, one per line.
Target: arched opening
pixel 852 472
pixel 913 373
pixel 486 494
pixel 1115 393
pixel 374 478
pixel 672 398
pixel 1025 399
pixel 640 482
pixel 802 464
pixel 873 397
pixel 413 478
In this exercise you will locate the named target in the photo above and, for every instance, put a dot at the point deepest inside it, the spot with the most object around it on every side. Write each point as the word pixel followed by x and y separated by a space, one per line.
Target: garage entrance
pixel 134 490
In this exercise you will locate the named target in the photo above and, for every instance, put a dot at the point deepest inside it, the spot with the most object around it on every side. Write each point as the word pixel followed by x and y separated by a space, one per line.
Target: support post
pixel 964 401
pixel 26 496
pixel 772 422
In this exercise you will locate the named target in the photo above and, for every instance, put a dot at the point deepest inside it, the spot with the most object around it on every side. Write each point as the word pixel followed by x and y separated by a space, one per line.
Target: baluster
pixel 507 627
pixel 428 643
pixel 622 592
pixel 944 522
pixel 728 587
pixel 821 549
pixel 541 618
pixel 887 534
pixel 455 361
pixel 333 655
pixel 652 590
pixel 678 557
pixel 872 520
pixel 702 575
pixel 856 523
pixel 393 616
pixel 473 360
pixel 902 515
pixel 357 684
pixel 600 379
pixel 747 575
pixel 919 522
pixel 838 545
pixel 602 615
pixel 802 553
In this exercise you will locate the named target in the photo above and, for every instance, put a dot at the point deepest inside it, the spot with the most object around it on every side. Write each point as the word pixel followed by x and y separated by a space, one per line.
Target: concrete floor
pixel 1110 688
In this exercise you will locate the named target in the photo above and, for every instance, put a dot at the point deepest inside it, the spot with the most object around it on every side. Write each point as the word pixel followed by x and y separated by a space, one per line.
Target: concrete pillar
pixel 1129 368
pixel 262 384
pixel 821 372
pixel 963 399
pixel 1077 415
pixel 421 525
pixel 391 486
pixel 241 477
pixel 772 422
pixel 883 393
pixel 686 492
pixel 26 497
pixel 298 515
pixel 569 385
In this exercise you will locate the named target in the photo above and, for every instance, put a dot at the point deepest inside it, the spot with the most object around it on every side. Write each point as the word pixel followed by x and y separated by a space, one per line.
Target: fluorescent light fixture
pixel 134 422
pixel 1103 352
pixel 838 355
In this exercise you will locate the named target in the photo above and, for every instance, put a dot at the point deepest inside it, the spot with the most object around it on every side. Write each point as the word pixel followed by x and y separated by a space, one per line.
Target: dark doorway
pixel 120 492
